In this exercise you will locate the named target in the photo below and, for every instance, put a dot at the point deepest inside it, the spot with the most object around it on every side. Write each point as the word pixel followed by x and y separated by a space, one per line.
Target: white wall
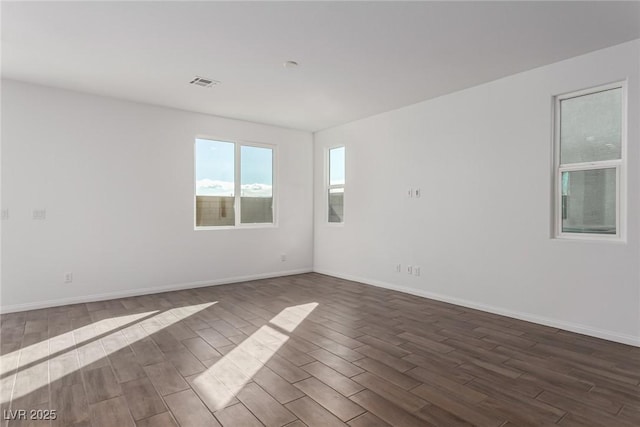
pixel 481 232
pixel 116 179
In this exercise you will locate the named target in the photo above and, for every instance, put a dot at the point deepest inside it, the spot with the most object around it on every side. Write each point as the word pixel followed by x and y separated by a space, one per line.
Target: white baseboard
pixel 567 326
pixel 146 291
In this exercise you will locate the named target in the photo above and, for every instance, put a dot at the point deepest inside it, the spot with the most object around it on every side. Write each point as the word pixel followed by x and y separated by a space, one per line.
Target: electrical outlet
pixel 283 257
pixel 417 193
pixel 416 271
pixel 409 192
pixel 398 268
pixel 409 269
pixel 68 277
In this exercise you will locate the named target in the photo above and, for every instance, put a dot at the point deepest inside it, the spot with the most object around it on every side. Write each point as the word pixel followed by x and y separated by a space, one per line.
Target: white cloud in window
pixel 209 187
pixel 256 190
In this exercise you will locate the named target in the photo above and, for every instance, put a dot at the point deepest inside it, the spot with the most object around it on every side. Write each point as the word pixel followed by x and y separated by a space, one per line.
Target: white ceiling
pixel 356 58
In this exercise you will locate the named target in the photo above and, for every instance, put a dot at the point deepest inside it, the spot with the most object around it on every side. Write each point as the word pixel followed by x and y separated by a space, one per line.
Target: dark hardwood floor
pixel 305 350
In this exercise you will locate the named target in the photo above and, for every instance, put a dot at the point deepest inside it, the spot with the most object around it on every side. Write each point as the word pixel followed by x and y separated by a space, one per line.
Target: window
pixel 234 184
pixel 335 189
pixel 590 150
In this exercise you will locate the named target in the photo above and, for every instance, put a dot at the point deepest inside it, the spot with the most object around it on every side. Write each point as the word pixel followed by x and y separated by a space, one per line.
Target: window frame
pixel 620 166
pixel 329 187
pixel 237 184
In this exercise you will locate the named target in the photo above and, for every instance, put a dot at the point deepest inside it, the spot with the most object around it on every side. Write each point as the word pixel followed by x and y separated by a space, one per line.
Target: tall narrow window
pixel 590 139
pixel 336 185
pixel 234 184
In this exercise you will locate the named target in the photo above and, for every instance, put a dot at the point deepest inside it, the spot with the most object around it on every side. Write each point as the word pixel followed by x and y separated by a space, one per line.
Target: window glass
pixel 336 166
pixel 336 204
pixel 256 189
pixel 215 183
pixel 589 201
pixel 591 127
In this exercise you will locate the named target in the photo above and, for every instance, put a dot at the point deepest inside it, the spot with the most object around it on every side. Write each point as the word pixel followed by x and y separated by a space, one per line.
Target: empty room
pixel 318 213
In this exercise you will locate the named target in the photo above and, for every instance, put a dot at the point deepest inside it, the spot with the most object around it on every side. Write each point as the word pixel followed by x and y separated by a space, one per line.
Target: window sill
pixel 590 238
pixel 235 227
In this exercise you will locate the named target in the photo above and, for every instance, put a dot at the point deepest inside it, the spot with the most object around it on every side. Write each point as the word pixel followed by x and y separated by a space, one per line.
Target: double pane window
pixel 590 159
pixel 234 184
pixel 335 189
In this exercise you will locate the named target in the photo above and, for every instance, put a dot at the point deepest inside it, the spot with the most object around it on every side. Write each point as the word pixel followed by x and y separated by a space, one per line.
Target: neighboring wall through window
pixel 234 183
pixel 590 153
pixel 335 188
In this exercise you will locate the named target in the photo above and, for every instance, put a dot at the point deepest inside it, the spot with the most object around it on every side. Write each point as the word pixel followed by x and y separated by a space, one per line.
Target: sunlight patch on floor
pixel 219 384
pixel 34 352
pixel 34 360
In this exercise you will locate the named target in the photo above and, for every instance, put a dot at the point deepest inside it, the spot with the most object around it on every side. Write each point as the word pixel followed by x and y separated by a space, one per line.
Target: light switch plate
pixel 39 214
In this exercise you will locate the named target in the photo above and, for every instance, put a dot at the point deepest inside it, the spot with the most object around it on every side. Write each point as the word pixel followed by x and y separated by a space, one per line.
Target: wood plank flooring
pixel 305 350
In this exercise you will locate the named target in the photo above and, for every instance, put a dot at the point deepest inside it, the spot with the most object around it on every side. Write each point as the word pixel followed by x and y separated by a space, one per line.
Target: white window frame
pixel 329 187
pixel 619 165
pixel 237 185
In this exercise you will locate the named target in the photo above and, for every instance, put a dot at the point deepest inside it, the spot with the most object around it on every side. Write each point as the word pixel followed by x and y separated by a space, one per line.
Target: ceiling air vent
pixel 203 81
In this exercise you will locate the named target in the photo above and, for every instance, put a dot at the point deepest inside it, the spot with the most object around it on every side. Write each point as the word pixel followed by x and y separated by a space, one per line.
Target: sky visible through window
pixel 336 166
pixel 215 169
